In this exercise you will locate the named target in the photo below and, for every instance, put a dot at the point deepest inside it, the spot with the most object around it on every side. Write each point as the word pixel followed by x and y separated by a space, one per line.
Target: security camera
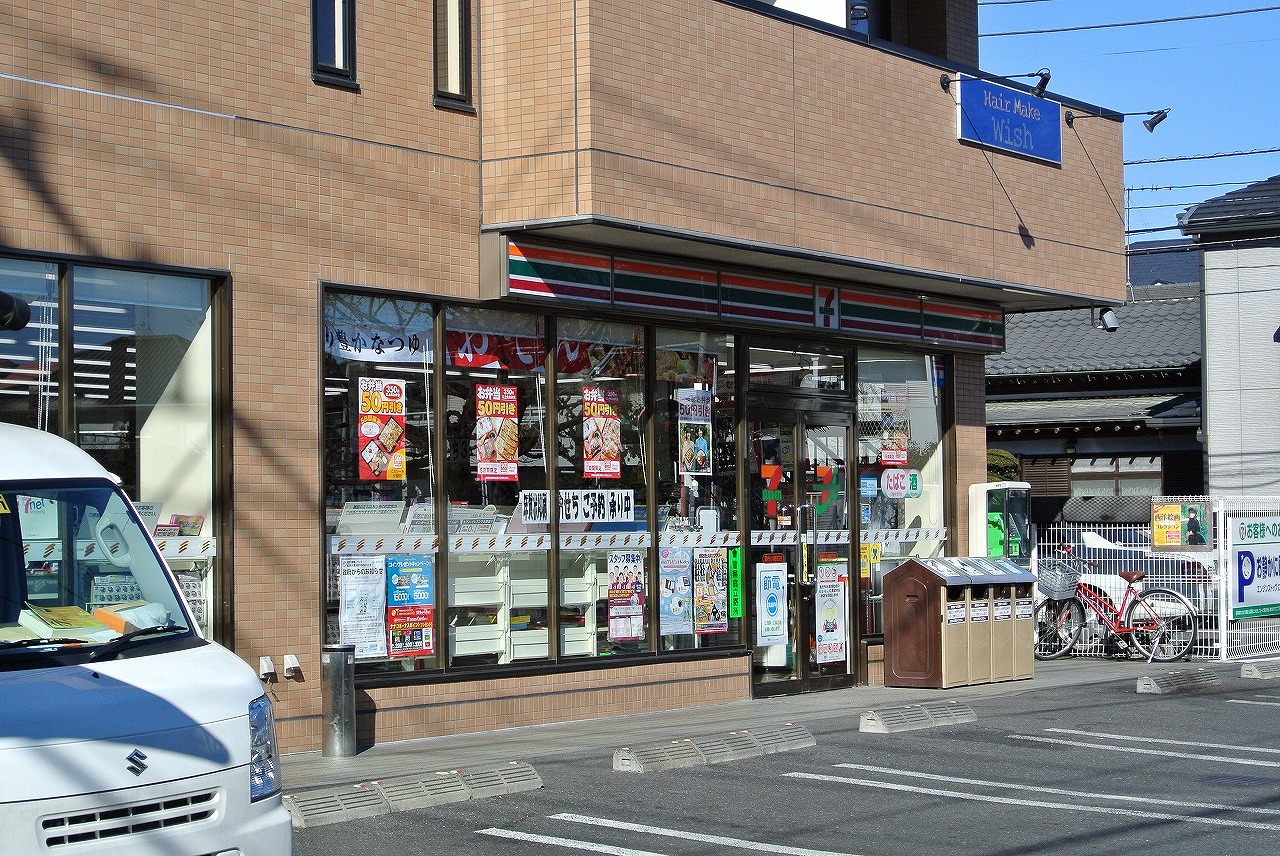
pixel 1108 321
pixel 14 312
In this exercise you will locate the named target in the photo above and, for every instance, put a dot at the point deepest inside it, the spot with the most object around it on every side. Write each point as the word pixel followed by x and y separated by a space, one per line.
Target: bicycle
pixel 1160 623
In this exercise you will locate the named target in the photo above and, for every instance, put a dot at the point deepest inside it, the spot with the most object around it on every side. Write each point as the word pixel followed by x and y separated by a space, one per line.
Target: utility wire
pixel 1130 23
pixel 1202 157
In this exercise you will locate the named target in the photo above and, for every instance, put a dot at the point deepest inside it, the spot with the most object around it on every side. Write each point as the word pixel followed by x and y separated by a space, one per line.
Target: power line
pixel 1189 186
pixel 1130 23
pixel 1203 157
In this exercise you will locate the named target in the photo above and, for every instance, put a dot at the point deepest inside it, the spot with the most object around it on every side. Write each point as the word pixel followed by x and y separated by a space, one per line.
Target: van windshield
pixel 77 571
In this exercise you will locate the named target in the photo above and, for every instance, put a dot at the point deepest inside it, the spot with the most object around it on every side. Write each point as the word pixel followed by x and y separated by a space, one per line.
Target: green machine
pixel 999 520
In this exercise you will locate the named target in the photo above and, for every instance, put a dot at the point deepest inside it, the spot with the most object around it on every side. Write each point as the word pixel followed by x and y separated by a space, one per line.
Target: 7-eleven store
pixel 629 482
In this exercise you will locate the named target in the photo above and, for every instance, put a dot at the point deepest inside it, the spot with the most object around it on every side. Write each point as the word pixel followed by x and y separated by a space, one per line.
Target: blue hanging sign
pixel 1011 120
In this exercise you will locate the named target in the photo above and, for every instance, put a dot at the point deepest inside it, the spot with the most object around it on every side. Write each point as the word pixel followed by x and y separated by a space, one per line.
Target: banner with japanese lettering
pixel 380 429
pixel 497 433
pixel 626 595
pixel 694 425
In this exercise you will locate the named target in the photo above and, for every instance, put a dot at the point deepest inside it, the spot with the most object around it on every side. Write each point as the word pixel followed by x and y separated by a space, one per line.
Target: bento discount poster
pixel 380 429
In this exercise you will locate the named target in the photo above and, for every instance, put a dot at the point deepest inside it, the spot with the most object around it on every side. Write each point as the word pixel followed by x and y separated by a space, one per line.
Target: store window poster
pixel 626 595
pixel 601 433
pixel 362 598
pixel 497 433
pixel 675 587
pixel 694 425
pixel 710 591
pixel 410 606
pixel 380 429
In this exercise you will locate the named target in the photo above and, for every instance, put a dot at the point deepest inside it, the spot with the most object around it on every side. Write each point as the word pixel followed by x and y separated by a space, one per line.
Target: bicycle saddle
pixel 1132 576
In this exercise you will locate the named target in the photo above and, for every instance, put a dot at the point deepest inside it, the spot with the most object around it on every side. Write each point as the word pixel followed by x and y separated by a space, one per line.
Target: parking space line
pixel 1023 802
pixel 1248 701
pixel 1164 740
pixel 570 843
pixel 1043 789
pixel 720 840
pixel 1110 747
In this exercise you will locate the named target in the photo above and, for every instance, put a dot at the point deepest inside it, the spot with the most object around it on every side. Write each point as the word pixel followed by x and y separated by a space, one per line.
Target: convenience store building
pixel 560 370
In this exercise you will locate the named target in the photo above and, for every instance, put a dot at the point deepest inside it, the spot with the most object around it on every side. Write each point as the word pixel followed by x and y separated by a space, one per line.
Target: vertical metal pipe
pixel 338 692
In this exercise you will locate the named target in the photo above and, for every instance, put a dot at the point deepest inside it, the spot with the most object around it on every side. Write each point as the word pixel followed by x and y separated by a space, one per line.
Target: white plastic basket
pixel 1057 580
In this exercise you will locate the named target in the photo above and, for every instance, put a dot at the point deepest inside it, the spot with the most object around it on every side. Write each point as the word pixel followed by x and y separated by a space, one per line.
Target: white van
pixel 122 730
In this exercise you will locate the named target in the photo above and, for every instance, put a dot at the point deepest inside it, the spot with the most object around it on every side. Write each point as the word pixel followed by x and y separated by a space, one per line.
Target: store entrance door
pixel 799 553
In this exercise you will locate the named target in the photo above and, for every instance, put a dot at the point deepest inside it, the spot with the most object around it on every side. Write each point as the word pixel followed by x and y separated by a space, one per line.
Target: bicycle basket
pixel 1057 580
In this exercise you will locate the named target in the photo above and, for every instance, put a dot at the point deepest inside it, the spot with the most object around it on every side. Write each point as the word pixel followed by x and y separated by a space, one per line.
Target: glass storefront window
pixel 142 375
pixel 605 578
pixel 29 357
pixel 379 476
pixel 496 487
pixel 696 474
pixel 788 368
pixel 900 462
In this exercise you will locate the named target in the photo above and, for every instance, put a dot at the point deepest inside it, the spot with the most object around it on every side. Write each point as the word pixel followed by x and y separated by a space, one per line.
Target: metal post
pixel 338 691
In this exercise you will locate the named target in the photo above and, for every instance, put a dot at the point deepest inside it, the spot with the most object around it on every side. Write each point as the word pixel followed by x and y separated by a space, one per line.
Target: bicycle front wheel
pixel 1056 626
pixel 1162 625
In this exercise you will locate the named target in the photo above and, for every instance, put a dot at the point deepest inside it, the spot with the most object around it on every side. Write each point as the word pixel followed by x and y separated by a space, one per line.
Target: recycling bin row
pixel 957 621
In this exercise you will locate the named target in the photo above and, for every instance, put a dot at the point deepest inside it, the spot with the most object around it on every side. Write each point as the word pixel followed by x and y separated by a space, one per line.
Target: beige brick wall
pixel 707 117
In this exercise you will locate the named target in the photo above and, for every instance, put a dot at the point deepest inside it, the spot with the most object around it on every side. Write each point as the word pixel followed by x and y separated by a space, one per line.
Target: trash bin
pixel 1010 639
pixel 338 697
pixel 980 590
pixel 926 624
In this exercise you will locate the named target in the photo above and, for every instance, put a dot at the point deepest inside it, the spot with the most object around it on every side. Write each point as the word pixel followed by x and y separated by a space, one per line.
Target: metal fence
pixel 1210 579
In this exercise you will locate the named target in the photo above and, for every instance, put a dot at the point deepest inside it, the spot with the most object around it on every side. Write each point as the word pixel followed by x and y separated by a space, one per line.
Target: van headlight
pixel 264 756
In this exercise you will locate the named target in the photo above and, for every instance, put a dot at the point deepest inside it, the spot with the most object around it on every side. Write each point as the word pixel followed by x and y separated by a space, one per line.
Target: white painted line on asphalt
pixel 1246 701
pixel 1042 789
pixel 1026 803
pixel 589 846
pixel 1164 740
pixel 740 843
pixel 1248 762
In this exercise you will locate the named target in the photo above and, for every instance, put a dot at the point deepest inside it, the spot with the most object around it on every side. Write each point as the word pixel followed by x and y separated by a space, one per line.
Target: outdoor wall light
pixel 1154 117
pixel 1106 320
pixel 1038 90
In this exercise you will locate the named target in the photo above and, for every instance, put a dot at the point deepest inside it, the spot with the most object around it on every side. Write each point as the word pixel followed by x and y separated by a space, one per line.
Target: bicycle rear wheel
pixel 1056 626
pixel 1163 625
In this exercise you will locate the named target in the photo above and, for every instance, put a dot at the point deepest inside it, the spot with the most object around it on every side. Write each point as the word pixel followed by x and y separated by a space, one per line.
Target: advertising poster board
pixel 675 586
pixel 1181 526
pixel 601 433
pixel 710 591
pixel 772 619
pixel 693 409
pixel 832 631
pixel 362 601
pixel 626 595
pixel 1255 555
pixel 411 606
pixel 380 429
pixel 497 433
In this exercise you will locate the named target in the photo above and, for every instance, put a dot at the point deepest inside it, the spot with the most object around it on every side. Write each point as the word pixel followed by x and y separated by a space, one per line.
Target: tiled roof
pixel 1252 208
pixel 1153 334
pixel 1068 411
pixel 1152 262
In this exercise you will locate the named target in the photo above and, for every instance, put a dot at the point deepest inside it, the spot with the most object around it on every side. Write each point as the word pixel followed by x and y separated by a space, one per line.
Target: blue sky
pixel 1219 76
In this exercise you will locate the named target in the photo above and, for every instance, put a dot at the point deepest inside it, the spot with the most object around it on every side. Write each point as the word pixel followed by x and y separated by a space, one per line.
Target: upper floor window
pixel 453 51
pixel 333 38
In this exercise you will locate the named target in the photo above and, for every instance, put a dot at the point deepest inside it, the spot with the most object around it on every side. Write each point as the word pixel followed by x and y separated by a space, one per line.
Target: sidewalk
pixel 306 771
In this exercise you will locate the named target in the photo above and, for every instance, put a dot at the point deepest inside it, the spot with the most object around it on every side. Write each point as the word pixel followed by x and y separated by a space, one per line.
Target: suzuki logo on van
pixel 137 762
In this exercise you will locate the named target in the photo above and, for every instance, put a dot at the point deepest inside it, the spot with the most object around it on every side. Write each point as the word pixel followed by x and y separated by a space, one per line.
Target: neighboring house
pixel 1239 236
pixel 1092 413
